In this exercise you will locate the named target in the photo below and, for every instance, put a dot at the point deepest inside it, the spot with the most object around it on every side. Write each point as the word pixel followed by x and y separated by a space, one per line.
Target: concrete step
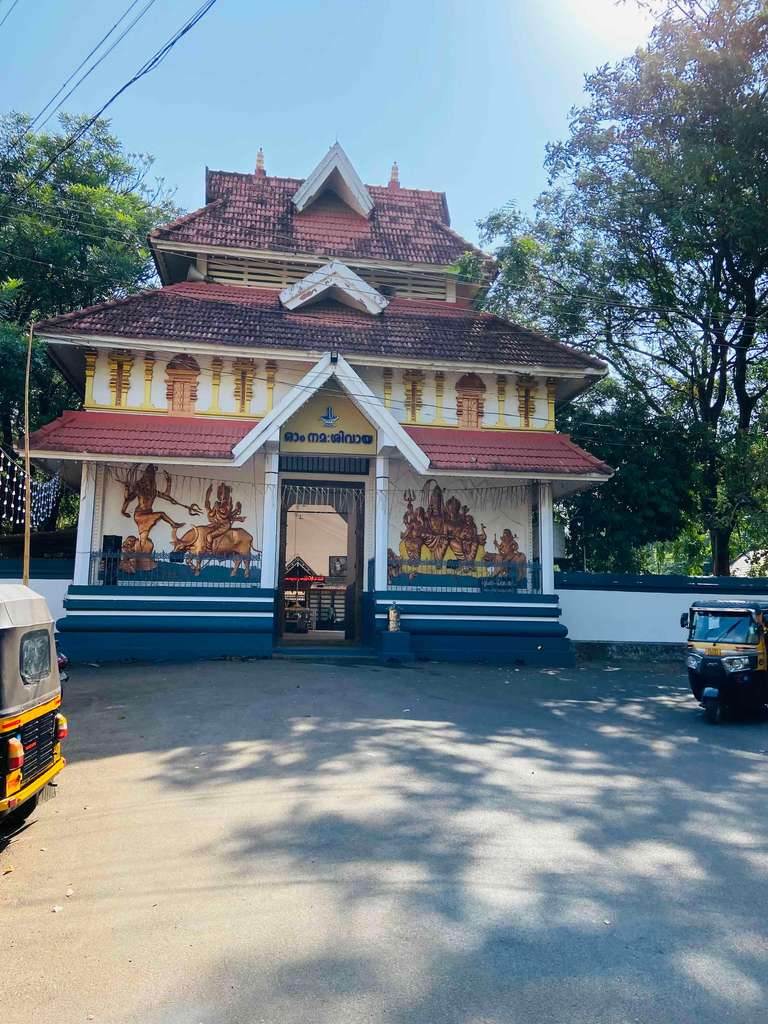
pixel 328 653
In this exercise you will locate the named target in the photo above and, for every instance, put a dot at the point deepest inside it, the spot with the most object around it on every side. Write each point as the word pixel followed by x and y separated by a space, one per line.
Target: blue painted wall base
pixel 492 627
pixel 166 624
pixel 395 647
pixel 548 652
pixel 116 623
pixel 105 646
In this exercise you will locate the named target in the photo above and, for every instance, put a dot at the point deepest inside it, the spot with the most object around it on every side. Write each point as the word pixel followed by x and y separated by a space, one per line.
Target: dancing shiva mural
pixel 213 549
pixel 440 536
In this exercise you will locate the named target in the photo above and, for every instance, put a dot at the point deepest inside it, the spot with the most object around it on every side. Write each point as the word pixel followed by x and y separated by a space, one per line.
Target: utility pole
pixel 27 478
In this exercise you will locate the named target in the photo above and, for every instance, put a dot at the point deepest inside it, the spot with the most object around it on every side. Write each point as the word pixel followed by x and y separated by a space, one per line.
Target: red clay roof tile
pixel 145 436
pixel 253 318
pixel 516 451
pixel 245 211
pixel 117 433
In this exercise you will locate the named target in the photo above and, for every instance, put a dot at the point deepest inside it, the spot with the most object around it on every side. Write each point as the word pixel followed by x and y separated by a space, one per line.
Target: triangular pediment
pixel 334 370
pixel 334 281
pixel 336 174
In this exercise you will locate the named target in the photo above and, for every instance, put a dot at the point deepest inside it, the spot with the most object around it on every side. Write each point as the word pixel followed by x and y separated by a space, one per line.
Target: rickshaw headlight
pixel 736 664
pixel 62 727
pixel 15 753
pixel 693 661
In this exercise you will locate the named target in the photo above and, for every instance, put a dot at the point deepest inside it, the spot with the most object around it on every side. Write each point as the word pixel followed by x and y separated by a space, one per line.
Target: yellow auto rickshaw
pixel 31 724
pixel 727 659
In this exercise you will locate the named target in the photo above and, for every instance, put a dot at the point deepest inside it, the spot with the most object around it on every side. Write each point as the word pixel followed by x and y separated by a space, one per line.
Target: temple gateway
pixel 308 423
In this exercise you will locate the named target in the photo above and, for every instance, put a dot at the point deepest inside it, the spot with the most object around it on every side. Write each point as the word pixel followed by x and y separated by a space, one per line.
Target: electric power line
pixel 8 13
pixel 150 65
pixel 82 63
pixel 99 61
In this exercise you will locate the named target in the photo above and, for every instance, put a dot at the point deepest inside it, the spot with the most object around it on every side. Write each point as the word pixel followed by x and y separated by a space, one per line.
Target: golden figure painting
pixel 441 532
pixel 220 539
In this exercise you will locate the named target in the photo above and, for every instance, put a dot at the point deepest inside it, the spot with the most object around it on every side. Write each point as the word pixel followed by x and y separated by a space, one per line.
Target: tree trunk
pixel 720 540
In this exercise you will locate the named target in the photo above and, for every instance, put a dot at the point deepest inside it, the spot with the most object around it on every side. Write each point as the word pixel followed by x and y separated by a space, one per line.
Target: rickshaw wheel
pixel 713 712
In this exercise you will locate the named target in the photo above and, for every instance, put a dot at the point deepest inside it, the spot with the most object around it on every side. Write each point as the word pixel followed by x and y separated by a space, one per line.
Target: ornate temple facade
pixel 312 346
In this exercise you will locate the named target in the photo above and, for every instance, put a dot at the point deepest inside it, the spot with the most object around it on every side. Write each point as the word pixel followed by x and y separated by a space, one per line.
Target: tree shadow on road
pixel 483 847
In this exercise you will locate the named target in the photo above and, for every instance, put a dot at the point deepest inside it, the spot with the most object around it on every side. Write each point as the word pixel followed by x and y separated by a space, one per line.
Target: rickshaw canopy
pixel 29 675
pixel 21 606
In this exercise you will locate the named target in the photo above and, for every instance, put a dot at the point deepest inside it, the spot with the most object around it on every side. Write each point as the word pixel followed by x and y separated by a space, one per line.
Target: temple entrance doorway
pixel 320 571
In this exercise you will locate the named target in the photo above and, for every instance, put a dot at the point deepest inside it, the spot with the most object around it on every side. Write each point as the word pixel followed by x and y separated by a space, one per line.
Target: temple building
pixel 313 351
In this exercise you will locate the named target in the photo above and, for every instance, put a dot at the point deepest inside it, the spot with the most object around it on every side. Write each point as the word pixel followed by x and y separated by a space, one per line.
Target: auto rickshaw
pixel 726 659
pixel 31 724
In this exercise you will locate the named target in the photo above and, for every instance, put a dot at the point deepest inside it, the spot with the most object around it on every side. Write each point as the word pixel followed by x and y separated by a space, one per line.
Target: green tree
pixel 651 244
pixel 649 496
pixel 70 237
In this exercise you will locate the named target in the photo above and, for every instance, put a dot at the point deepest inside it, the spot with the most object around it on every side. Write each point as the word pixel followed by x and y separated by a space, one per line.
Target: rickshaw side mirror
pixel 684 620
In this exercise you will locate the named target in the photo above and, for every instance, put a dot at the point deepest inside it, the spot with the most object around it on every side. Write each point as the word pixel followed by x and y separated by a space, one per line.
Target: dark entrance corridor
pixel 321 563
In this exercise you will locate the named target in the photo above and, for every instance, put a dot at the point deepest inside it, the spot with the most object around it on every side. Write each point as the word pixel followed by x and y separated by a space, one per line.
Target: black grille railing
pixel 174 568
pixel 458 575
pixel 37 739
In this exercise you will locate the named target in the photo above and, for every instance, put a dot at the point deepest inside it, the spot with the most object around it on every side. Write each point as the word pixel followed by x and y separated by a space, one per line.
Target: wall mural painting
pixel 220 540
pixel 440 536
pixel 221 537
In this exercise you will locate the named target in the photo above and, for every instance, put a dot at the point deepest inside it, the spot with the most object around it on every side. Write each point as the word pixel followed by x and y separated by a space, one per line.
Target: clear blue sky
pixel 463 94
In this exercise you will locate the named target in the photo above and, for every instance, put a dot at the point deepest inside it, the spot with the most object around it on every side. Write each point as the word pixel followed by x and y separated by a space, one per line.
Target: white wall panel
pixel 631 616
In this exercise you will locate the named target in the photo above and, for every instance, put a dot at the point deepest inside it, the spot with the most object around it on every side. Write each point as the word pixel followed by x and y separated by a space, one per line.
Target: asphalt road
pixel 315 844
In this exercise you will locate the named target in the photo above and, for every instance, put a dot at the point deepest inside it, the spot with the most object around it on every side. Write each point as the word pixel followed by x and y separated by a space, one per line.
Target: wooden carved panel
pixel 181 377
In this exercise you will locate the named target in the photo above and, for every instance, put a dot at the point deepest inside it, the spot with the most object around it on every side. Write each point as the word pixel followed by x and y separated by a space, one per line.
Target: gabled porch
pixel 181 538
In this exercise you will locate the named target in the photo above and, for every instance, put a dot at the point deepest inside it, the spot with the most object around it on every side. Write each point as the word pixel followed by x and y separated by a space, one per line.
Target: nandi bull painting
pixel 220 539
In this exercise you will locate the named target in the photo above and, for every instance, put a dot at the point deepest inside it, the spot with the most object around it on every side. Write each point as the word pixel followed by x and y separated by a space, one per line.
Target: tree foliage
pixel 649 496
pixel 650 245
pixel 75 236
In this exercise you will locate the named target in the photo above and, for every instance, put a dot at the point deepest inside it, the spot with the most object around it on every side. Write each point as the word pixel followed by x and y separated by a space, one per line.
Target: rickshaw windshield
pixel 730 628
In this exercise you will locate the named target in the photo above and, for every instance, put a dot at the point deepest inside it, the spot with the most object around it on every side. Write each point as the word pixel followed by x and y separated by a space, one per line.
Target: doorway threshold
pixel 326 652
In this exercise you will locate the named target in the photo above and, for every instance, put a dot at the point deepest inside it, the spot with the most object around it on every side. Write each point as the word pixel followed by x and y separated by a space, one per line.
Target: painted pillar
pixel 382 523
pixel 546 538
pixel 270 521
pixel 217 366
pixel 149 371
pixel 90 371
pixel 85 524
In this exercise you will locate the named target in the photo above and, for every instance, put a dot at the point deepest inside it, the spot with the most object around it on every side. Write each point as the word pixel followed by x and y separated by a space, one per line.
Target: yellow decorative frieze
pixel 243 370
pixel 90 372
pixel 413 382
pixel 526 401
pixel 439 420
pixel 149 372
pixel 501 399
pixel 120 366
pixel 551 396
pixel 217 365
pixel 387 388
pixel 271 370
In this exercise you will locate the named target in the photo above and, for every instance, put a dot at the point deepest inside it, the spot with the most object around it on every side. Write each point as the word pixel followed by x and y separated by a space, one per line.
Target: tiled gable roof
pixel 517 451
pixel 245 211
pixel 253 318
pixel 142 435
pixel 145 436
